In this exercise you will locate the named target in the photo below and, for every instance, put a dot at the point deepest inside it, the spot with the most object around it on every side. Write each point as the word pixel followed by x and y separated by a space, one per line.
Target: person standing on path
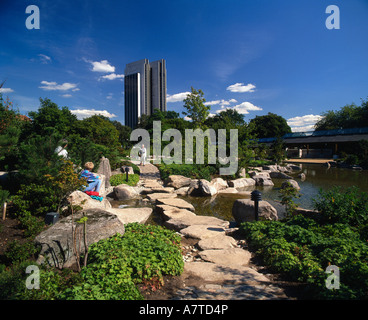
pixel 142 152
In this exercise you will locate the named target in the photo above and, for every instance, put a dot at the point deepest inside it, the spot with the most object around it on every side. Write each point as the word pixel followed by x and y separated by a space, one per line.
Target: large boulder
pixel 201 188
pixel 177 181
pixel 56 242
pixel 279 175
pixel 242 183
pixel 243 211
pixel 290 182
pixel 105 170
pixel 79 198
pixel 124 192
pixel 219 184
pixel 263 180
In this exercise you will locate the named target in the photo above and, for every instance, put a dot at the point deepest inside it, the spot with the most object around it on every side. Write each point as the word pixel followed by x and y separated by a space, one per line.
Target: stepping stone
pixel 214 273
pixel 227 257
pixel 202 231
pixel 155 196
pixel 179 203
pixel 217 242
pixel 185 221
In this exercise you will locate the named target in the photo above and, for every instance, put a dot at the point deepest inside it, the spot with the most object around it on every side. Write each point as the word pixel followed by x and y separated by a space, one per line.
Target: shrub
pixel 337 205
pixel 120 178
pixel 302 248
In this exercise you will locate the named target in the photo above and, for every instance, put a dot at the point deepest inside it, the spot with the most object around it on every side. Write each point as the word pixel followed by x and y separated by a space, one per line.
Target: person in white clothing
pixel 142 154
pixel 61 150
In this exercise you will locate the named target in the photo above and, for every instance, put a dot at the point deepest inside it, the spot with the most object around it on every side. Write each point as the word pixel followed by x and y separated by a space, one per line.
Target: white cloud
pixel 53 86
pixel 6 90
pixel 176 97
pixel 44 58
pixel 242 108
pixel 85 113
pixel 240 87
pixel 102 66
pixel 109 96
pixel 304 123
pixel 112 76
pixel 220 102
pixel 67 95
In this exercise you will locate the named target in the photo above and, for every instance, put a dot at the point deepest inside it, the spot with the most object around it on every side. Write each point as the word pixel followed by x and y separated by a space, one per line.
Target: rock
pixel 293 167
pixel 56 241
pixel 217 242
pixel 242 173
pixel 79 198
pixel 219 184
pixel 105 169
pixel 130 169
pixel 212 272
pixel 243 211
pixel 201 188
pixel 178 181
pixel 279 175
pixel 124 192
pixel 129 215
pixel 152 184
pixel 176 202
pixel 182 191
pixel 158 190
pixel 185 221
pixel 154 196
pixel 263 180
pixel 228 190
pixel 301 176
pixel 201 231
pixel 241 183
pixel 272 168
pixel 170 212
pixel 227 257
pixel 291 182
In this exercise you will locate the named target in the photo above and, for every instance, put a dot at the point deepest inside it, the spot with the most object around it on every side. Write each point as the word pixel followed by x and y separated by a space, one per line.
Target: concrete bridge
pixel 319 144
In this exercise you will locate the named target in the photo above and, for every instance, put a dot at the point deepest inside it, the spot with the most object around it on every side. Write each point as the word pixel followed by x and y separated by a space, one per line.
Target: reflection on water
pixel 317 177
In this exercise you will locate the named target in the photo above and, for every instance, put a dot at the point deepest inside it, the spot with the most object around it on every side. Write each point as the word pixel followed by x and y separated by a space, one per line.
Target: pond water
pixel 317 177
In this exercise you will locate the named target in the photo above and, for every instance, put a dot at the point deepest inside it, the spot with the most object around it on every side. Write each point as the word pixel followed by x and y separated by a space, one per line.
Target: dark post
pixel 126 171
pixel 256 196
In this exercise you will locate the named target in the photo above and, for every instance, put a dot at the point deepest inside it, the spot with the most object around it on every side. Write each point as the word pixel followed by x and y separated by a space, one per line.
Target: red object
pixel 92 193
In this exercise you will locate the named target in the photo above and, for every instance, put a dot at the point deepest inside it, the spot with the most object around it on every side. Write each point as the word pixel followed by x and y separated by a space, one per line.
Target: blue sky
pixel 255 56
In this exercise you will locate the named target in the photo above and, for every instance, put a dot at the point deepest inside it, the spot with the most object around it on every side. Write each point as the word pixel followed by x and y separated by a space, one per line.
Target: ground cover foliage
pixel 116 266
pixel 303 246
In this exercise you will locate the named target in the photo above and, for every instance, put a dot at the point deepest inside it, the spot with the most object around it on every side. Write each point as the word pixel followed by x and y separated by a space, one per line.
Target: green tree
pixel 349 116
pixel 270 126
pixel 124 134
pixel 195 108
pixel 51 119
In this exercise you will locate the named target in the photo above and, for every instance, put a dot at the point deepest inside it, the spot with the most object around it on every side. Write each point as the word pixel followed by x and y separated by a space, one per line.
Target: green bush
pixel 35 199
pixel 120 178
pixel 143 255
pixel 303 247
pixel 348 206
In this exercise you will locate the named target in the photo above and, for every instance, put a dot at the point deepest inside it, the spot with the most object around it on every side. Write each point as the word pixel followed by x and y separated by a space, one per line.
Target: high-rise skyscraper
pixel 145 89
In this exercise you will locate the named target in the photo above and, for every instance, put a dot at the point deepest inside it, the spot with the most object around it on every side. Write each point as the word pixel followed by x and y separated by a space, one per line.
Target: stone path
pixel 217 266
pixel 149 172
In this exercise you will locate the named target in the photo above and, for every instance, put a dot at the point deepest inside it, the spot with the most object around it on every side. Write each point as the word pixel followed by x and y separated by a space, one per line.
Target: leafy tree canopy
pixel 195 108
pixel 349 116
pixel 270 126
